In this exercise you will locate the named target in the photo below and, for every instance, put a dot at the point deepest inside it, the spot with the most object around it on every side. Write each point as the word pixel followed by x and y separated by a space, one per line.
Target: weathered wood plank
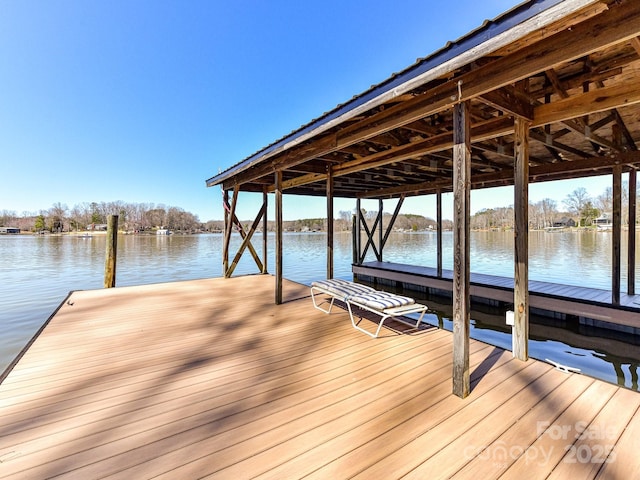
pixel 461 249
pixel 521 242
pixel 616 236
pixel 265 232
pixel 110 260
pixel 230 211
pixel 279 229
pixel 329 223
pixel 631 237
pixel 439 233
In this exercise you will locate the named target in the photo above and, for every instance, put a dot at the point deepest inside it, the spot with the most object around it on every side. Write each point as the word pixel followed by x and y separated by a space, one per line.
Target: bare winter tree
pixel 576 201
pixel 58 217
pixel 549 210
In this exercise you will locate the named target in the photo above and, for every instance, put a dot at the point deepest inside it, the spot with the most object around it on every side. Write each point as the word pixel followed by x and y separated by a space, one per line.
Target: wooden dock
pixel 591 303
pixel 209 378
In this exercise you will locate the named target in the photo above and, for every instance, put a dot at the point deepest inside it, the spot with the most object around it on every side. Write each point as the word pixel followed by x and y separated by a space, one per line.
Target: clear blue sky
pixel 143 100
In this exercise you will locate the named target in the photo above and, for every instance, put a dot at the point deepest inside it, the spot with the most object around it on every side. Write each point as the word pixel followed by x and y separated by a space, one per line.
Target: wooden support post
pixel 278 192
pixel 329 222
pixel 521 253
pixel 354 242
pixel 265 228
pixel 111 252
pixel 231 211
pixel 227 231
pixel 380 232
pixel 357 233
pixel 439 232
pixel 461 302
pixel 616 235
pixel 631 242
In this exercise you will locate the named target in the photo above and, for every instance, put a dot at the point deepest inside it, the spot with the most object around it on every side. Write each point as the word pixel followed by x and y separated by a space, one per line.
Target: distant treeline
pixel 87 216
pixel 579 208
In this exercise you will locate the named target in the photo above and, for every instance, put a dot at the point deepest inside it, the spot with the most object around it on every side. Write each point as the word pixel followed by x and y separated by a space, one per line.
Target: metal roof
pixel 489 29
pixel 570 67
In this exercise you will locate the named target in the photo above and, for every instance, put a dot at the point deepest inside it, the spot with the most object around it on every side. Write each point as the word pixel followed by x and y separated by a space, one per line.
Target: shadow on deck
pixel 210 378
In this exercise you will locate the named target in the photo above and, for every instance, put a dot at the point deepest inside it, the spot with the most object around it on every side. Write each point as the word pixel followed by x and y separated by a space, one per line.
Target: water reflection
pixel 37 272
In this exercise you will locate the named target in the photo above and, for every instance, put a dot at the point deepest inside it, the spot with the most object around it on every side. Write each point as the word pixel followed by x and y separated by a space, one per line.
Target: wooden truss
pixel 231 221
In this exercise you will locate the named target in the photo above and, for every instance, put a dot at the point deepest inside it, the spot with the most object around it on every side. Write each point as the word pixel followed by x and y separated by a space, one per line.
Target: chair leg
pixel 315 304
pixel 358 327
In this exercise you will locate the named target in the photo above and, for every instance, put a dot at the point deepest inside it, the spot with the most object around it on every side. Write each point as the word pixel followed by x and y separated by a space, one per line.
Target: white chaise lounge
pixel 384 304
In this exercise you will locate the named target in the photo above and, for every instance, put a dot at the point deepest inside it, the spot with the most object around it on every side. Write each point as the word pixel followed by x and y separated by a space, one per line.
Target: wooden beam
pixel 590 166
pixel 621 22
pixel 550 141
pixel 618 24
pixel 635 43
pixel 235 221
pixel 481 131
pixel 227 228
pixel 507 100
pixel 380 232
pixel 461 251
pixel 358 236
pixel 231 213
pixel 392 221
pixel 616 235
pixel 631 240
pixel 354 242
pixel 594 101
pixel 279 227
pixel 111 253
pixel 562 110
pixel 265 224
pixel 329 222
pixel 246 241
pixel 521 243
pixel 363 222
pixel 439 232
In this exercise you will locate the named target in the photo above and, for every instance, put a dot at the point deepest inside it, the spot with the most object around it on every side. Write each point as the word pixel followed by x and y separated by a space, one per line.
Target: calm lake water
pixel 37 273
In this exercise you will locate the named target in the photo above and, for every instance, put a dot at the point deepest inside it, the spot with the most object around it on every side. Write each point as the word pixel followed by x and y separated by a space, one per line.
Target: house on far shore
pixel 97 227
pixel 565 222
pixel 9 230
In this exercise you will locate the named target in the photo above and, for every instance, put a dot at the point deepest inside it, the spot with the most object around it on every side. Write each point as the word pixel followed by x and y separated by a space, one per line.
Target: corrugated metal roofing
pixel 489 29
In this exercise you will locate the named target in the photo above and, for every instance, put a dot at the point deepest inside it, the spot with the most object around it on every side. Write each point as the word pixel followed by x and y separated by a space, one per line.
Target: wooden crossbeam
pixel 602 99
pixel 369 236
pixel 230 211
pixel 599 100
pixel 539 173
pixel 247 242
pixel 507 100
pixel 392 222
pixel 620 23
pixel 233 220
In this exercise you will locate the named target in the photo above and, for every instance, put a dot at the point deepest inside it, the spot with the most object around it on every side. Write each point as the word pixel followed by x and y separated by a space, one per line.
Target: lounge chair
pixel 384 304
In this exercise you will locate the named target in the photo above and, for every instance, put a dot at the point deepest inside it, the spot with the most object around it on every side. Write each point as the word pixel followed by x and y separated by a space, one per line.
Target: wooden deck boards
pixel 209 378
